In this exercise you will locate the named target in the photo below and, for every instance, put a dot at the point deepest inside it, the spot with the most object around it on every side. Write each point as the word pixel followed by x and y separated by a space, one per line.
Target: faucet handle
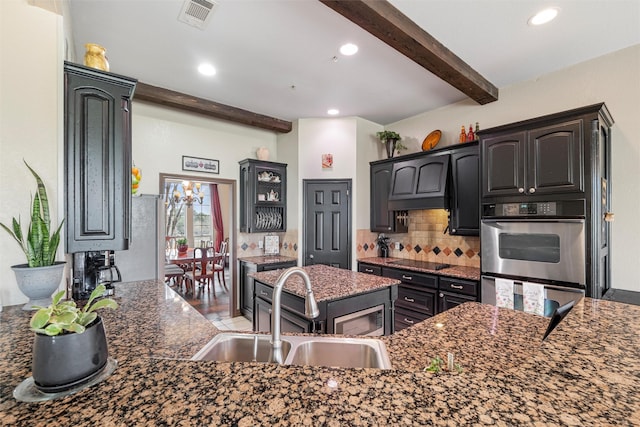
pixel 311 310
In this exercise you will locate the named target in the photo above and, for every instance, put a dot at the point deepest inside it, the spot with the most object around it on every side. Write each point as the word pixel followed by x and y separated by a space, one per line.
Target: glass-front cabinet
pixel 263 192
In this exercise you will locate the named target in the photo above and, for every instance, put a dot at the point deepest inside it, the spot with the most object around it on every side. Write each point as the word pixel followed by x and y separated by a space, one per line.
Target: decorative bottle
pixel 477 129
pixel 470 135
pixel 463 135
pixel 96 57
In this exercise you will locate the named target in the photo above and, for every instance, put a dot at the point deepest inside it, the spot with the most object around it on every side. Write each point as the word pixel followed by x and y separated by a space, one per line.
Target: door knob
pixel 311 256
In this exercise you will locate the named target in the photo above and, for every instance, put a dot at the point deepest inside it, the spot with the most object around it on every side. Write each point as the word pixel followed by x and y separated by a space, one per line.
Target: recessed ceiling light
pixel 206 69
pixel 333 111
pixel 544 16
pixel 348 49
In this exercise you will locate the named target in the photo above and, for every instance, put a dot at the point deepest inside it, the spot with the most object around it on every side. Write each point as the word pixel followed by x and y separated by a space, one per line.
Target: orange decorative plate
pixel 431 140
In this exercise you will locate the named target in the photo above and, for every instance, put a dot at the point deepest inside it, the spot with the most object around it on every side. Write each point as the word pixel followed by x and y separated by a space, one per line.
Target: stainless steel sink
pixel 329 351
pixel 240 348
pixel 341 352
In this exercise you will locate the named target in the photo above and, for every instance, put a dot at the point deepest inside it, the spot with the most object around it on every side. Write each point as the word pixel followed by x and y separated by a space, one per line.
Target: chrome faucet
pixel 310 308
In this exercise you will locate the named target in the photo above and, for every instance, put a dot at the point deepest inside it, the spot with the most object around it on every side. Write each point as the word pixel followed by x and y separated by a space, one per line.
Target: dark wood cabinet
pixel 291 319
pixel 422 295
pixel 420 183
pixel 543 160
pixel 97 111
pixel 464 214
pixel 263 195
pixel 246 284
pixel 382 219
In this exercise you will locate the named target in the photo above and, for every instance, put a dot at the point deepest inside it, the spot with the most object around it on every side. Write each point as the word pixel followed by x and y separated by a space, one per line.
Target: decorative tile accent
pixel 244 246
pixel 366 247
pixel 417 248
pixel 470 253
pixel 447 251
pixel 458 252
pixel 436 250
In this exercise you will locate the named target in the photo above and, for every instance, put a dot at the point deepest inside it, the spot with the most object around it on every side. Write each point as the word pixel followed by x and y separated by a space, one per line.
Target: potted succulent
pixel 182 244
pixel 391 140
pixel 70 346
pixel 41 275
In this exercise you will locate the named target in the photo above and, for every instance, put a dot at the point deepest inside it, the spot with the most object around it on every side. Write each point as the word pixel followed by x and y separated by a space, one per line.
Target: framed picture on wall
pixel 198 164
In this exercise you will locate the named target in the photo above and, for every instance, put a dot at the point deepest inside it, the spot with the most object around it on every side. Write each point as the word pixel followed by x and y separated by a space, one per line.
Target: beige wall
pixel 31 46
pixel 613 79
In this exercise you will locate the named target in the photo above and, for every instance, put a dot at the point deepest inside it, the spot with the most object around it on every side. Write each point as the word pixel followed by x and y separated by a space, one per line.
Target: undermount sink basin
pixel 341 352
pixel 240 348
pixel 314 351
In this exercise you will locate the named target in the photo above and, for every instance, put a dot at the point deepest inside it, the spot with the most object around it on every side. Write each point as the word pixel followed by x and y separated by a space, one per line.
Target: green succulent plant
pixel 66 317
pixel 40 246
pixel 182 241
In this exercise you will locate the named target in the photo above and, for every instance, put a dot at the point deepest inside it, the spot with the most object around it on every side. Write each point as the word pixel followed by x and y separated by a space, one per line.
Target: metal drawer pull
pixel 368 270
pixel 409 321
pixel 407 277
pixel 456 286
pixel 264 293
pixel 407 299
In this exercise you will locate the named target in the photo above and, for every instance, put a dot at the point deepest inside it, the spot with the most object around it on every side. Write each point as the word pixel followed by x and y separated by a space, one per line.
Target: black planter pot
pixel 390 145
pixel 66 361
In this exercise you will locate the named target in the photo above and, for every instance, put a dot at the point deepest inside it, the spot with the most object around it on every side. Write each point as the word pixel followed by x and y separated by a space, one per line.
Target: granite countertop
pixel 328 283
pixel 459 271
pixel 267 259
pixel 585 373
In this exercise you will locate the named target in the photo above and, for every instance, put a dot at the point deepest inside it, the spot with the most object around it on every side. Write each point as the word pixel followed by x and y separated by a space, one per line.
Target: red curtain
pixel 216 215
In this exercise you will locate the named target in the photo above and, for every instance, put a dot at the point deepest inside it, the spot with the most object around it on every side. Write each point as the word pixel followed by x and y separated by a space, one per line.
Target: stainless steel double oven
pixel 538 242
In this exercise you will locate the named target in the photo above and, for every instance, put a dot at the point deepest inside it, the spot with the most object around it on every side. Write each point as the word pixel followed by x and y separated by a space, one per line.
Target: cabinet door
pixel 246 195
pixel 289 322
pixel 262 316
pixel 447 300
pixel 503 164
pixel 263 192
pixel 417 182
pixel 381 216
pixel 246 289
pixel 465 206
pixel 556 159
pixel 97 160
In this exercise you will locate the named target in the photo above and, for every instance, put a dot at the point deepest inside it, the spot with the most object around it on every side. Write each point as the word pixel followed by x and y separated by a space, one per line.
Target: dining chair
pixel 220 266
pixel 206 263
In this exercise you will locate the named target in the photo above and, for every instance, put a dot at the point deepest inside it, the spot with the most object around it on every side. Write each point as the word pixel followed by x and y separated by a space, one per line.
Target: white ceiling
pixel 276 57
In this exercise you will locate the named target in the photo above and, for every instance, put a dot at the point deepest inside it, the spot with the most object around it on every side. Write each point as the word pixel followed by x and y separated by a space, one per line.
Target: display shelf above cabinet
pixel 263 192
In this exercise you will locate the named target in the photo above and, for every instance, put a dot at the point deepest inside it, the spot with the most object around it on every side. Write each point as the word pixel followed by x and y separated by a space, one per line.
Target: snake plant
pixel 39 246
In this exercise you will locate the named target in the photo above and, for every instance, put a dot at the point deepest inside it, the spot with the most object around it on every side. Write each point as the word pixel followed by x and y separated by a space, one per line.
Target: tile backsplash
pixel 249 243
pixel 424 241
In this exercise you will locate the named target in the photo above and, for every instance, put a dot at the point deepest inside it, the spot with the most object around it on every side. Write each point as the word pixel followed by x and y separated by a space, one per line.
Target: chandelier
pixel 189 194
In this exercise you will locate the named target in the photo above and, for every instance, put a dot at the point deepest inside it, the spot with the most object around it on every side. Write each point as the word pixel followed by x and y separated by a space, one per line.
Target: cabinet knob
pixel 407 299
pixel 407 277
pixel 608 216
pixel 411 322
pixel 456 286
pixel 532 190
pixel 520 190
pixel 368 270
pixel 441 295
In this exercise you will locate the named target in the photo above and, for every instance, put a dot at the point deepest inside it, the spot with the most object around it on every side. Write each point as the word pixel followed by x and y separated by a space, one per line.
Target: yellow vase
pixel 96 57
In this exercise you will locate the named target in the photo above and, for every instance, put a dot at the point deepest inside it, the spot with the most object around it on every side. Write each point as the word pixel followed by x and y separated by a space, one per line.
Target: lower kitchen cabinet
pixel 370 313
pixel 246 282
pixel 423 295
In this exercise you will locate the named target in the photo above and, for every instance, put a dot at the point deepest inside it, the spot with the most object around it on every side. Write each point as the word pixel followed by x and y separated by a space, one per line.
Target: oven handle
pixel 505 221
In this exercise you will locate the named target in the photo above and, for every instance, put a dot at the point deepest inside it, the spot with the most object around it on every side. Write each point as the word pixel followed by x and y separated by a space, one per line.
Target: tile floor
pixel 233 324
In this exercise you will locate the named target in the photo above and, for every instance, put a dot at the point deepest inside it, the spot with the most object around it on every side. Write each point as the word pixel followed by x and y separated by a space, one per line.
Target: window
pixel 193 220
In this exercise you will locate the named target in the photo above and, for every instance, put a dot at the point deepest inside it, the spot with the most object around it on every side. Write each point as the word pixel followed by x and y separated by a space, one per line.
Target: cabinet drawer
pixel 422 300
pixel 292 302
pixel 405 318
pixel 412 277
pixel 466 287
pixel 276 266
pixel 370 269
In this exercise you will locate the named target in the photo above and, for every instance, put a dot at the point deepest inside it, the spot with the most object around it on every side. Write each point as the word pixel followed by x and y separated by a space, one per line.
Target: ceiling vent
pixel 197 13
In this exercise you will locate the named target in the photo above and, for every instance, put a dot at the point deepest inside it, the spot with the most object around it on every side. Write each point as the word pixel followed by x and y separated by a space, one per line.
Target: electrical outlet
pixel 397 246
pixel 260 244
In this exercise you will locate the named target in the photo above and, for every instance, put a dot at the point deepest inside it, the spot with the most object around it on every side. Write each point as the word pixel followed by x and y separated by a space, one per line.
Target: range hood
pixel 420 183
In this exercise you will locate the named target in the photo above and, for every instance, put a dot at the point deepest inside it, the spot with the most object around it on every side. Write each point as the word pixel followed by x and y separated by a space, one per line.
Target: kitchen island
pixel 586 373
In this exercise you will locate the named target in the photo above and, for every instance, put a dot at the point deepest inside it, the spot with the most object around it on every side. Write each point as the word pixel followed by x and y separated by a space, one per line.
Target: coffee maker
pixel 91 269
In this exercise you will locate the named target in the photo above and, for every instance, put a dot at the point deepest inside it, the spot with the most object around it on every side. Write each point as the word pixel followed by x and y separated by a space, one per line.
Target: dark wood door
pixel 97 159
pixel 465 206
pixel 381 216
pixel 555 156
pixel 503 164
pixel 327 223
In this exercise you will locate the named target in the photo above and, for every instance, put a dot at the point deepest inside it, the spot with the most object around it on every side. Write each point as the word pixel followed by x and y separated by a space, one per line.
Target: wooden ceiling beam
pixel 181 101
pixel 387 23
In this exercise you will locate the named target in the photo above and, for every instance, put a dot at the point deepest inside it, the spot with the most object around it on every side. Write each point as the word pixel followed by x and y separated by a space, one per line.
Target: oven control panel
pixel 535 208
pixel 559 208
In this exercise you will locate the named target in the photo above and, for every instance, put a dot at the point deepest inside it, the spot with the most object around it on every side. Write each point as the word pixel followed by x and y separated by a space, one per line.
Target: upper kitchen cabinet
pixel 97 112
pixel 263 192
pixel 464 213
pixel 382 219
pixel 420 183
pixel 543 158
